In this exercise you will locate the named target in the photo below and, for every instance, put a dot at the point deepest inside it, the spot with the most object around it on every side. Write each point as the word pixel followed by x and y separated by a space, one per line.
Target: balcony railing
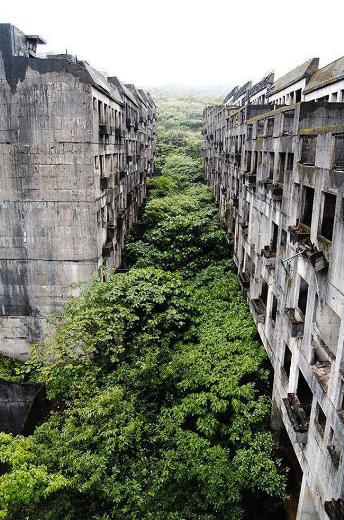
pixel 297 416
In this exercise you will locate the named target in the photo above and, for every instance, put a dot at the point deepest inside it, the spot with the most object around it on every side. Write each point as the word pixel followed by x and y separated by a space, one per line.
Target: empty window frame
pixel 308 199
pixel 249 132
pixel 260 128
pixel 308 149
pixel 271 165
pixel 320 419
pixel 264 292
pixel 281 167
pixel 334 448
pixel 290 162
pixel 339 152
pixel 329 209
pixel 303 296
pixel 288 122
pixel 304 393
pixel 269 127
pixel 274 309
pixel 298 95
pixel 287 360
pixel 274 241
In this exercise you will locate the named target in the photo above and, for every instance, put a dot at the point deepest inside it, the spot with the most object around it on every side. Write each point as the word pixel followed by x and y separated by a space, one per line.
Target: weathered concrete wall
pixel 72 180
pixel 281 198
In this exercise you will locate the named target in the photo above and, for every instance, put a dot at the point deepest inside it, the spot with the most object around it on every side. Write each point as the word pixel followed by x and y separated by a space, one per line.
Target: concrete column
pixel 306 509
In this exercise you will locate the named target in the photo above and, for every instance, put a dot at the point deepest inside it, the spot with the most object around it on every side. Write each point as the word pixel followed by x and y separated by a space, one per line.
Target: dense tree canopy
pixel 156 382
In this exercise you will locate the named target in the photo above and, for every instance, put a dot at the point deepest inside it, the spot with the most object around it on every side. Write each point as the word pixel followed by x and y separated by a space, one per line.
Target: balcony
pixel 105 183
pixel 118 133
pixel 296 322
pixel 259 310
pixel 276 191
pixel 265 183
pixel 322 371
pixel 298 234
pixel 250 180
pixel 110 231
pixel 244 281
pixel 318 260
pixel 104 129
pixel 297 417
pixel 268 257
pixel 335 509
pixel 107 249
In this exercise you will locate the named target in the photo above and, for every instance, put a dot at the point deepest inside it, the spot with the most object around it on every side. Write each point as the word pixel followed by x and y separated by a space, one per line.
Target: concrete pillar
pixel 306 509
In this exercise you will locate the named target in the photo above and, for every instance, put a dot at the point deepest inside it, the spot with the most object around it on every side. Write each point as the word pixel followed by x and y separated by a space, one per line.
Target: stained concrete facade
pixel 277 173
pixel 76 149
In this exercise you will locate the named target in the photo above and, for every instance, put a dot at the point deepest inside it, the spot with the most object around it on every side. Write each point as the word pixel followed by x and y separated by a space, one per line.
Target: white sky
pixel 190 42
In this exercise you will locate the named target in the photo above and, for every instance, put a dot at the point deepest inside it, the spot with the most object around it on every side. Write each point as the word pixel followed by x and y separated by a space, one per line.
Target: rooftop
pixel 329 74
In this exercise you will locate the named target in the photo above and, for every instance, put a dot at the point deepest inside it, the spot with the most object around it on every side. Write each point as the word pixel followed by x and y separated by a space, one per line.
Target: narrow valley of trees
pixel 158 388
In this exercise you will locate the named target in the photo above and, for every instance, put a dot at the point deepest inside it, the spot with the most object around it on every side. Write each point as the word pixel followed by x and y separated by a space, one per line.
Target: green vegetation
pixel 156 381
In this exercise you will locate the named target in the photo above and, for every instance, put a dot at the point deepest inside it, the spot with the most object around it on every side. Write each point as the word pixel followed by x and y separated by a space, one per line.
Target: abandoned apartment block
pixel 76 149
pixel 274 158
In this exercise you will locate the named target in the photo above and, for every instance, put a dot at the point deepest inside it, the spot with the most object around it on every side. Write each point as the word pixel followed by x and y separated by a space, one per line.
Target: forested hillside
pixel 158 387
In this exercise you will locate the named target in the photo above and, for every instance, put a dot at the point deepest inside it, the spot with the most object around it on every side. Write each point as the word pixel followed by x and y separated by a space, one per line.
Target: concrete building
pixel 277 173
pixel 76 148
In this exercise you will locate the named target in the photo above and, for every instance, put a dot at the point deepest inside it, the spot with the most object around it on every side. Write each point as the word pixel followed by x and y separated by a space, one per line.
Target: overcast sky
pixel 190 42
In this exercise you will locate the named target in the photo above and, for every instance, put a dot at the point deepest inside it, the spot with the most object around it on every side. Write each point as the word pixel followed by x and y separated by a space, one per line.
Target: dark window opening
pixel 290 162
pixel 274 240
pixel 304 394
pixel 339 152
pixel 334 448
pixel 287 360
pixel 303 296
pixel 284 236
pixel 249 132
pixel 308 150
pixel 264 292
pixel 248 161
pixel 298 96
pixel 270 127
pixel 328 216
pixel 271 165
pixel 307 206
pixel 281 167
pixel 255 163
pixel 260 128
pixel 100 111
pixel 274 309
pixel 321 419
pixel 288 122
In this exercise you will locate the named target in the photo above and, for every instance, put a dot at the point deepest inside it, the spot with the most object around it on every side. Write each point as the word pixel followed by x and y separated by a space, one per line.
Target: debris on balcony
pixel 244 280
pixel 259 309
pixel 296 413
pixel 298 234
pixel 318 259
pixel 322 371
